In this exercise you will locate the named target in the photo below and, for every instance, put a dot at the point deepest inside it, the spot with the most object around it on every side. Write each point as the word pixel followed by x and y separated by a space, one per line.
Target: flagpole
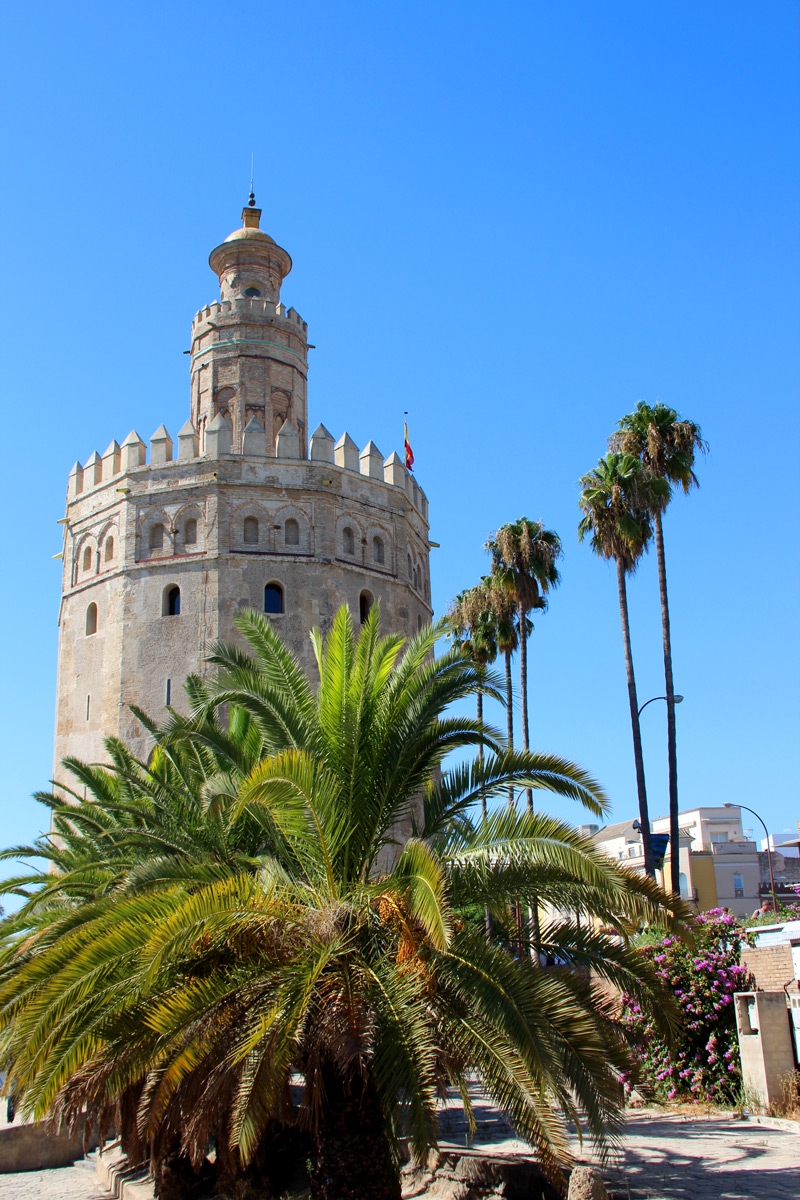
pixel 407 451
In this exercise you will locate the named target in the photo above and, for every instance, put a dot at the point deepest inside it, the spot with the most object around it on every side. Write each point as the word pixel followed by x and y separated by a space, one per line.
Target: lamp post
pixel 677 700
pixel 674 829
pixel 769 852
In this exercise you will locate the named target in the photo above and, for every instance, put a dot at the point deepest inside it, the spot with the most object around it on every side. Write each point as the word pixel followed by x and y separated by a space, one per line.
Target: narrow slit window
pixel 378 550
pixel 291 532
pixel 273 598
pixel 87 559
pixel 348 541
pixel 250 531
pixel 171 606
pixel 88 706
pixel 156 540
pixel 109 550
pixel 91 620
pixel 190 532
pixel 168 693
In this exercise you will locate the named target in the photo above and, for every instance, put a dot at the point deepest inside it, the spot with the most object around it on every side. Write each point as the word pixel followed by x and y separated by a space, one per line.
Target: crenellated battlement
pixel 249 308
pixel 343 455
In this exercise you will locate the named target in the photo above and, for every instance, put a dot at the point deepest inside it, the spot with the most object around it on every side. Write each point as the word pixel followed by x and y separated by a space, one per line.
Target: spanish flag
pixel 409 451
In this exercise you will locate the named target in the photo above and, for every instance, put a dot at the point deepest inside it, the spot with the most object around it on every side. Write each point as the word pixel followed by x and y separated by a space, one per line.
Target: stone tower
pixel 161 552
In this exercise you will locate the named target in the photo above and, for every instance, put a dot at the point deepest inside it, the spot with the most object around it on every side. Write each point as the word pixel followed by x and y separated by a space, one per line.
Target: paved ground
pixel 66 1183
pixel 696 1157
pixel 664 1157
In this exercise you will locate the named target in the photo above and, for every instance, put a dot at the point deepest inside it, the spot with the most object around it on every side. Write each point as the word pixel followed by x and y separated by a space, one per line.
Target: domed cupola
pixel 250 264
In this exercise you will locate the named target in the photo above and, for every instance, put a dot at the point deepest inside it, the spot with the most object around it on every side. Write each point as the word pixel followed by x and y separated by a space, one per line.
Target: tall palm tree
pixel 667 446
pixel 188 994
pixel 524 556
pixel 617 500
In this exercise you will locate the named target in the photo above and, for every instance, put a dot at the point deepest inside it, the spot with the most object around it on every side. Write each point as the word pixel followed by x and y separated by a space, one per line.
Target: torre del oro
pixel 162 547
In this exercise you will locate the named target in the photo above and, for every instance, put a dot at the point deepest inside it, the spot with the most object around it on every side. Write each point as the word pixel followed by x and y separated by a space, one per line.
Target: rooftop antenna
pixel 252 200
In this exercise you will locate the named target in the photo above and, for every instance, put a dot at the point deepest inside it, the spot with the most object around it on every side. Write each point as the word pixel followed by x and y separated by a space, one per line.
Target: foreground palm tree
pixel 667 447
pixel 276 930
pixel 524 556
pixel 617 499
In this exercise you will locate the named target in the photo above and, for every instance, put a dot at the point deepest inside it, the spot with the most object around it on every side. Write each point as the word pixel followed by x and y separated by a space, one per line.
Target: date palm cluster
pixel 260 947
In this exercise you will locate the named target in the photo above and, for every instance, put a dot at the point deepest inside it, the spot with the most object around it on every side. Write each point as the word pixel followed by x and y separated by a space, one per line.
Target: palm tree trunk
pixel 533 911
pixel 487 916
pixel 523 690
pixel 509 701
pixel 511 804
pixel 509 715
pixel 644 816
pixel 480 751
pixel 351 1152
pixel 669 687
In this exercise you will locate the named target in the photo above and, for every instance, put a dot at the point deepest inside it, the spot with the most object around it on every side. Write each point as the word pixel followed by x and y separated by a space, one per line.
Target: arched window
pixel 684 886
pixel 273 598
pixel 156 537
pixel 410 569
pixel 190 532
pixel 87 559
pixel 378 551
pixel 171 605
pixel 109 551
pixel 364 605
pixel 250 531
pixel 91 619
pixel 348 541
pixel 291 532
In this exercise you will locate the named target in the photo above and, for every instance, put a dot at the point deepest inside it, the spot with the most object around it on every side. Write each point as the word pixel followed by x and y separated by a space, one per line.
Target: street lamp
pixel 677 700
pixel 769 852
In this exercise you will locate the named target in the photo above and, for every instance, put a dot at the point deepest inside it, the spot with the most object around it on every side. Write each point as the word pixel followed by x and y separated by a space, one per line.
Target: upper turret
pixel 249 355
pixel 249 262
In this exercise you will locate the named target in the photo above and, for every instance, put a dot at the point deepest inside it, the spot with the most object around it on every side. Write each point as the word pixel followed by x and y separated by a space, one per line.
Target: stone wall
pixel 771 966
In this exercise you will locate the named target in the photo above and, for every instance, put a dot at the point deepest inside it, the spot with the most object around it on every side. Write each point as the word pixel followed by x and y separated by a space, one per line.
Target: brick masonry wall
pixel 770 965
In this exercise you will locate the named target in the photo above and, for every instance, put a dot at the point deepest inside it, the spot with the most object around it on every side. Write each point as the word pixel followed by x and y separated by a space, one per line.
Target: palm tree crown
pixel 524 557
pixel 666 445
pixel 617 499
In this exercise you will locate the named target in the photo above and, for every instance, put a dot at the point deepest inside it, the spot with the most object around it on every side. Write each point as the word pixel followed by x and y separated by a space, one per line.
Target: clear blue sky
pixel 512 220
